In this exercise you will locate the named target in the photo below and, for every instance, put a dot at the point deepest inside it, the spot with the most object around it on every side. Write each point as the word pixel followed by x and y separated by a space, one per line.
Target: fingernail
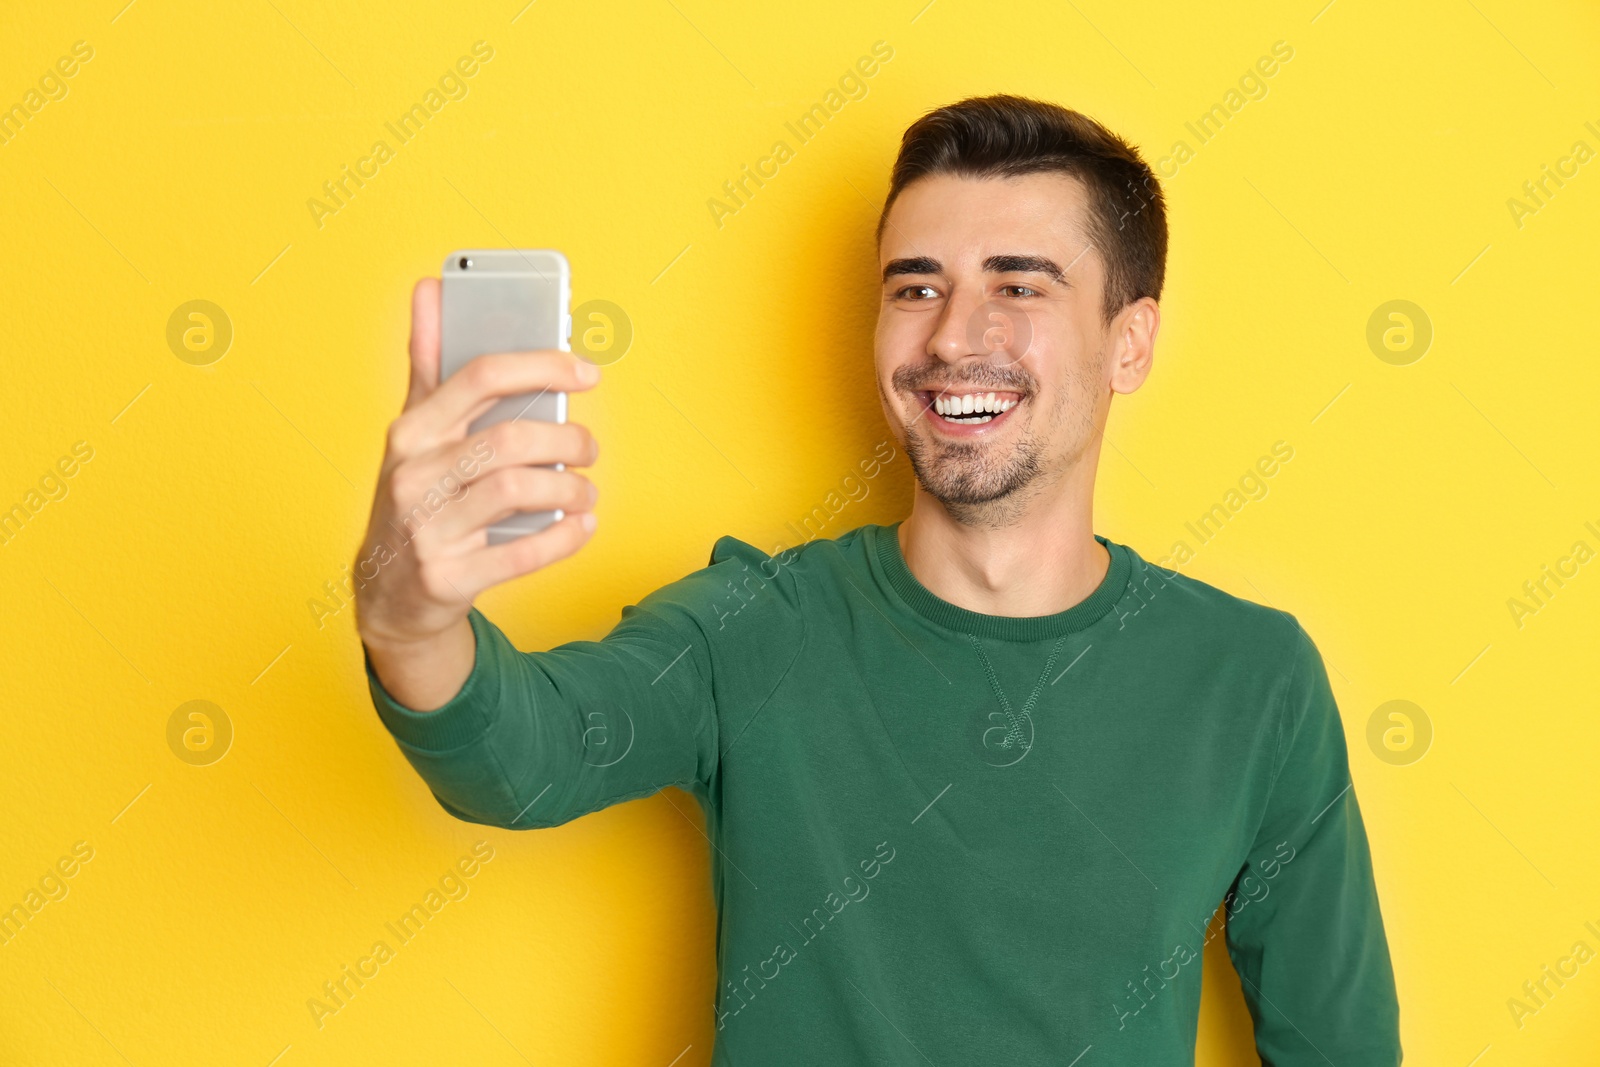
pixel 588 373
pixel 588 521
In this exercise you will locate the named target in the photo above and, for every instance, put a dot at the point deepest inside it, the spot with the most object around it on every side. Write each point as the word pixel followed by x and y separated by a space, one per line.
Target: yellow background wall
pixel 219 498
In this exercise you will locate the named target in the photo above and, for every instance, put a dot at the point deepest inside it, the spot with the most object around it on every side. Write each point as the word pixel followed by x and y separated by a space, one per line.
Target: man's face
pixel 991 286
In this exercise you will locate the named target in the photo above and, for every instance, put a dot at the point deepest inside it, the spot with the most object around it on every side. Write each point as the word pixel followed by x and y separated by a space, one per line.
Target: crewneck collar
pixel 1002 627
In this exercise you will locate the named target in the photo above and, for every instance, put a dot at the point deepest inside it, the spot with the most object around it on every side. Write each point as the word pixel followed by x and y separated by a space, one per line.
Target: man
pixel 976 781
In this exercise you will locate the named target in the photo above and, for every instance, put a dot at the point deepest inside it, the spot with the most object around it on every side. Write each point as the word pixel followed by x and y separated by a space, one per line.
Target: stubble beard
pixel 980 487
pixel 977 487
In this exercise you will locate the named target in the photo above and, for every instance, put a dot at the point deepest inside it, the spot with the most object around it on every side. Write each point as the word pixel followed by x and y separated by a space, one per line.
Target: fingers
pixel 438 492
pixel 453 492
pixel 470 390
pixel 425 314
pixel 490 566
pixel 453 529
pixel 516 442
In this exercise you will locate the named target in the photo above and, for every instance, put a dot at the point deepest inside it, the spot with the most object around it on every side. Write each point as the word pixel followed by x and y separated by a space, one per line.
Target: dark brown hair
pixel 1005 136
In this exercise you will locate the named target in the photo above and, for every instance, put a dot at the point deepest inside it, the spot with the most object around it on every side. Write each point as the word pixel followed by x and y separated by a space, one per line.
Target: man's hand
pixel 422 562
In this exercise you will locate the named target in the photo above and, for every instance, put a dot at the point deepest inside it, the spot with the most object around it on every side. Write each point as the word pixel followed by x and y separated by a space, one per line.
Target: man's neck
pixel 1042 563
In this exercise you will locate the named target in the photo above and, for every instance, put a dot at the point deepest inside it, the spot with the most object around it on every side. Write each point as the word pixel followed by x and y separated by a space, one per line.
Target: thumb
pixel 425 314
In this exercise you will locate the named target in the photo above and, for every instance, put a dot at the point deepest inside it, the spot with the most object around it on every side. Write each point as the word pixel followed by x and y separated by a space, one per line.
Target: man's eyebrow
pixel 914 265
pixel 1005 264
pixel 1025 265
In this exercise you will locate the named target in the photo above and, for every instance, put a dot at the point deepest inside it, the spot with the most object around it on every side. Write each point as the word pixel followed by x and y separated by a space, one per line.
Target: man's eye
pixel 1019 290
pixel 910 289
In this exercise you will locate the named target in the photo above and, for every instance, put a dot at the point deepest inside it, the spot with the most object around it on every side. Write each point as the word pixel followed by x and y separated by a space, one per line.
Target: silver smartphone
pixel 507 300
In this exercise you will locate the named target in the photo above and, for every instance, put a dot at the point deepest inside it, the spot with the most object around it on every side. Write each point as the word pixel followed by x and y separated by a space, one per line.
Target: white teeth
pixel 984 404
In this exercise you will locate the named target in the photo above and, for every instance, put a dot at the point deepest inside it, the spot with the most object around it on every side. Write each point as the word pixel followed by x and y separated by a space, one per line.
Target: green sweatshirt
pixel 953 838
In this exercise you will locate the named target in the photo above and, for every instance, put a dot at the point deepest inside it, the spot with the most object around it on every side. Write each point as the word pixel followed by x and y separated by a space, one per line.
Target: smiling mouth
pixel 972 408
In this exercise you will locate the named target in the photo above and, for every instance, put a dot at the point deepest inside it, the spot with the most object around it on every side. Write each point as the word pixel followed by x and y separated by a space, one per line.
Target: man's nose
pixel 952 337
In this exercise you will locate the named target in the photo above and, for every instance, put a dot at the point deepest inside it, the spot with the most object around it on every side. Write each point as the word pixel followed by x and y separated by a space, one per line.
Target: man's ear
pixel 1133 343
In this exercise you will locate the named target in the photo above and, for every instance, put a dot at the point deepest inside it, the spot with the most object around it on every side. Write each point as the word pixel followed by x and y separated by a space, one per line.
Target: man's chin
pixel 965 475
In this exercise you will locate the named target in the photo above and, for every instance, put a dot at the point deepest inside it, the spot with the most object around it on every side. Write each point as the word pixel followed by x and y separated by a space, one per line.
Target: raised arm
pixel 425 556
pixel 535 739
pixel 1304 928
pixel 528 739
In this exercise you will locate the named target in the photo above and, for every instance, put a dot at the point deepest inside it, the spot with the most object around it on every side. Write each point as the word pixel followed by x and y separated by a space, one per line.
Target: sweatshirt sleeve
pixel 535 739
pixel 1304 928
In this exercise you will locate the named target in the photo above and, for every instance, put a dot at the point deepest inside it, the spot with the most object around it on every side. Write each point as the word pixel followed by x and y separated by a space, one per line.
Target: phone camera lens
pixel 465 263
